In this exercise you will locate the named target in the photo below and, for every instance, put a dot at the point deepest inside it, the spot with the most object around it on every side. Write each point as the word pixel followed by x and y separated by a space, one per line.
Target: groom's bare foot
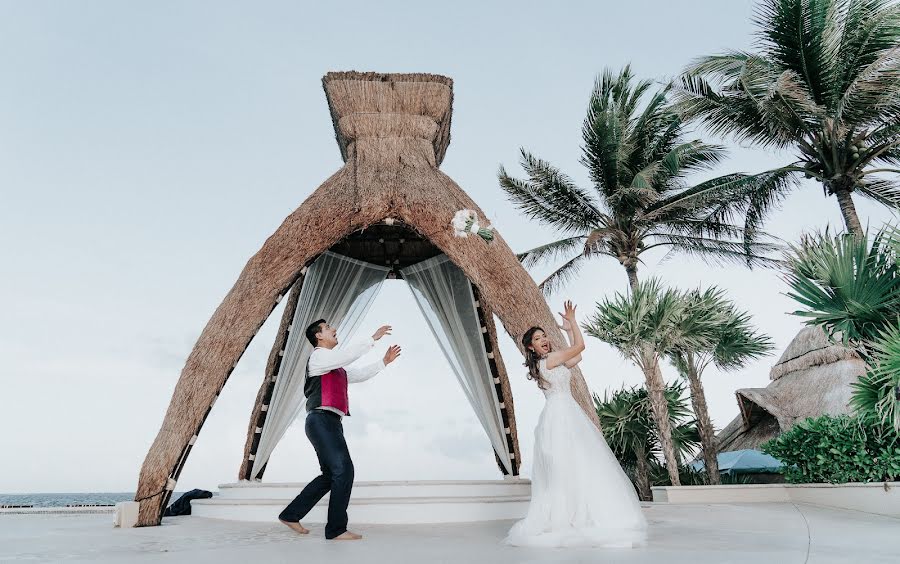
pixel 347 535
pixel 296 527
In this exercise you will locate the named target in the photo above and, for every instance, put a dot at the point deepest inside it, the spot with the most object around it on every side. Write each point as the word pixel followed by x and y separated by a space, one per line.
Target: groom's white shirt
pixel 322 361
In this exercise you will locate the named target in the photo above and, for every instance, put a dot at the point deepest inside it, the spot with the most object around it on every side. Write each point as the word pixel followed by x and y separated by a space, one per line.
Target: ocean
pixel 66 499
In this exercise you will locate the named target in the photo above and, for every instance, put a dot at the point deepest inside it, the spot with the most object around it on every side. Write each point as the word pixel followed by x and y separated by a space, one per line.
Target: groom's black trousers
pixel 326 434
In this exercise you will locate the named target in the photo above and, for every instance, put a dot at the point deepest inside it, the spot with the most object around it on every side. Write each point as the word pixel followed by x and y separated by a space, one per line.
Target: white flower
pixel 462 221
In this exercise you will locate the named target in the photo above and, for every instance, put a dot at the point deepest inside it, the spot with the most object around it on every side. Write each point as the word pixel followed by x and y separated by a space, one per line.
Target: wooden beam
pixel 264 396
pixel 501 381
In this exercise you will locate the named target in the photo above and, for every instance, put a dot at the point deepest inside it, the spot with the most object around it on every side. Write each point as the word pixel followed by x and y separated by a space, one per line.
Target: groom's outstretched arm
pixel 356 374
pixel 323 361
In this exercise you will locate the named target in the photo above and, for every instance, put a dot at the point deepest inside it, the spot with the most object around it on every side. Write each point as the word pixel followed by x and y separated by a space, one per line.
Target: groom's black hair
pixel 311 331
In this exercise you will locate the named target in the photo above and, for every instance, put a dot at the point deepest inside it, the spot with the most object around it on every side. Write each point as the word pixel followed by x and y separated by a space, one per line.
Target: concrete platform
pixel 727 533
pixel 881 498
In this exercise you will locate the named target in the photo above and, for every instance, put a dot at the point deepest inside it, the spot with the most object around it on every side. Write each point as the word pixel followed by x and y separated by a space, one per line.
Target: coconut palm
pixel 825 82
pixel 644 326
pixel 735 342
pixel 627 422
pixel 638 161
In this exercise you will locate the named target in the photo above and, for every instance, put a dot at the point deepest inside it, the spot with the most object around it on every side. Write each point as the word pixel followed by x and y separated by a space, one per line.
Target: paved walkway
pixel 777 533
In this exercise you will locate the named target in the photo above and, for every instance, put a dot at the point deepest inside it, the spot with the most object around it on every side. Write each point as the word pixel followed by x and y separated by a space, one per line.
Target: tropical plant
pixel 734 343
pixel 644 326
pixel 638 161
pixel 628 425
pixel 825 82
pixel 850 286
pixel 837 450
pixel 876 396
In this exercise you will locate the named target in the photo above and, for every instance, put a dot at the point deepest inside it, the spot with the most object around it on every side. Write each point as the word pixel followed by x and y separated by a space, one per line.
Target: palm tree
pixel 627 422
pixel 825 81
pixel 735 342
pixel 638 160
pixel 644 326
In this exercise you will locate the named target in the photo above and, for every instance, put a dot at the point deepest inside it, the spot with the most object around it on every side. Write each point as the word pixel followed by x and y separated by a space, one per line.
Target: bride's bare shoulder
pixel 552 361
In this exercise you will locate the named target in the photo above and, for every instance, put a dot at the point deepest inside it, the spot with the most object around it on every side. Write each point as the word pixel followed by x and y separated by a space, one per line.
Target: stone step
pixel 378 502
pixel 430 489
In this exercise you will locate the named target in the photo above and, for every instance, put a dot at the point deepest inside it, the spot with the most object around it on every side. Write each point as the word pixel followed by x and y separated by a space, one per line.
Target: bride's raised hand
pixel 568 313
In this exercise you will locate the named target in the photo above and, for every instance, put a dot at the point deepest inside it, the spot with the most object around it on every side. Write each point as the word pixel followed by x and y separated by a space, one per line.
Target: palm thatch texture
pixel 850 286
pixel 646 325
pixel 813 377
pixel 825 82
pixel 639 163
pixel 393 131
pixel 628 425
pixel 734 342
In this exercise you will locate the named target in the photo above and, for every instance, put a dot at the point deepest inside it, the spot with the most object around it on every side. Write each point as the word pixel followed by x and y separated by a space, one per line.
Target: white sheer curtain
pixel 444 295
pixel 336 288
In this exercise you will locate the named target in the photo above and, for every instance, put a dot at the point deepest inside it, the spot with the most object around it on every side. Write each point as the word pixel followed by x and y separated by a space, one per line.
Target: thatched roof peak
pixel 811 347
pixel 388 77
pixel 417 105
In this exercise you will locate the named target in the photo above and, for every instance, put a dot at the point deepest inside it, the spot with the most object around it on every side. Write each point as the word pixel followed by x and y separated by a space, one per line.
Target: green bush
pixel 837 450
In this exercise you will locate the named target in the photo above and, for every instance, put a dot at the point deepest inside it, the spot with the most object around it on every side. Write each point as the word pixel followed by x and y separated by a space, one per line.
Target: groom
pixel 327 375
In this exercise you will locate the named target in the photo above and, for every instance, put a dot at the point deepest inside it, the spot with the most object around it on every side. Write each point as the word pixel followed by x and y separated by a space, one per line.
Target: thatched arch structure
pixel 393 131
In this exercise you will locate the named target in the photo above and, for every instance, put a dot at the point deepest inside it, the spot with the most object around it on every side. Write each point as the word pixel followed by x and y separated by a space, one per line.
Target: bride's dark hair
pixel 532 359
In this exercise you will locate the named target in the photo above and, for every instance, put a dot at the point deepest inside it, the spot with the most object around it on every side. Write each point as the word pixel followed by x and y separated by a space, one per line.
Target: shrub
pixel 837 450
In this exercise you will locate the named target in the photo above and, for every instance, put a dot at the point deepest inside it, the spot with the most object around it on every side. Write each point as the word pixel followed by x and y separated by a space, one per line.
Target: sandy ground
pixel 777 533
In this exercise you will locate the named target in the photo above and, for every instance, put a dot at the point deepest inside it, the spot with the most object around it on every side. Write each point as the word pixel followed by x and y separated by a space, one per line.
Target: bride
pixel 579 494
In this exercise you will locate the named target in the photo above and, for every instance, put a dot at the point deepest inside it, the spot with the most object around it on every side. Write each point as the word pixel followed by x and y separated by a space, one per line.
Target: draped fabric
pixel 338 289
pixel 444 295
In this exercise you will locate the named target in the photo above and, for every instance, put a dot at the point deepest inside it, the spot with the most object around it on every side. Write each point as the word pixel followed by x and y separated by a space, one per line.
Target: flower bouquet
pixel 466 221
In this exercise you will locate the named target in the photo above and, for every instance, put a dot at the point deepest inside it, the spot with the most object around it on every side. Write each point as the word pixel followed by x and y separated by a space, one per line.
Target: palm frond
pixel 847 284
pixel 875 394
pixel 727 197
pixel 881 190
pixel 547 204
pixel 562 275
pixel 646 317
pixel 870 28
pixel 690 157
pixel 719 252
pixel 552 251
pixel 729 112
pixel 873 94
pixel 739 342
pixel 802 36
pixel 604 128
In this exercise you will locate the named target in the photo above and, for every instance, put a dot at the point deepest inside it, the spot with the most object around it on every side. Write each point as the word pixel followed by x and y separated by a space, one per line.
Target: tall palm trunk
pixel 848 210
pixel 642 472
pixel 631 270
pixel 704 423
pixel 656 387
pixel 656 390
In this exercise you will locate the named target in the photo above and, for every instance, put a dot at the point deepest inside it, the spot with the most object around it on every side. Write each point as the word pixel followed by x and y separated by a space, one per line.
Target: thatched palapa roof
pixel 812 378
pixel 393 131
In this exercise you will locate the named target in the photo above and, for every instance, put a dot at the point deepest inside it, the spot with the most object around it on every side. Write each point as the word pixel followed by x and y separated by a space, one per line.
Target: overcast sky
pixel 148 149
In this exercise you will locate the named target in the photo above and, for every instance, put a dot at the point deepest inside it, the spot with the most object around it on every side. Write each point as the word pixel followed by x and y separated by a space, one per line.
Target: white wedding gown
pixel 579 494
